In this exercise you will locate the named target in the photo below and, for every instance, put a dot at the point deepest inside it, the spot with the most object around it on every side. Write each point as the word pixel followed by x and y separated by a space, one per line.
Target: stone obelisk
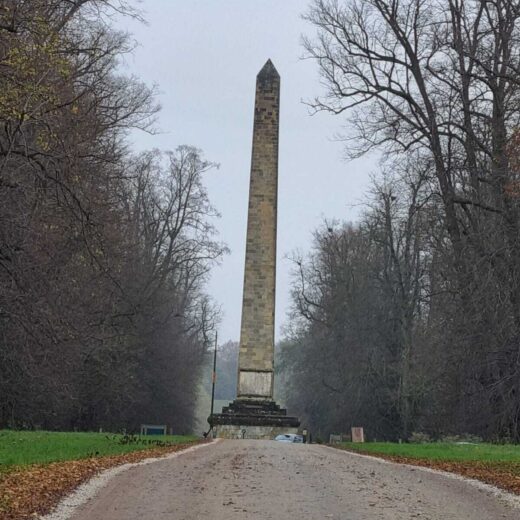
pixel 256 357
pixel 254 413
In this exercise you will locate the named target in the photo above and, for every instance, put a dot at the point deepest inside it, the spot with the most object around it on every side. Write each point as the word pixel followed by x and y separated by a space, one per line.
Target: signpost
pixel 213 382
pixel 154 429
pixel 357 434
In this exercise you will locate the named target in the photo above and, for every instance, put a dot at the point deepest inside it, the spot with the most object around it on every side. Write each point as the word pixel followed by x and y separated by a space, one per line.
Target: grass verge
pixel 26 447
pixel 498 465
pixel 39 468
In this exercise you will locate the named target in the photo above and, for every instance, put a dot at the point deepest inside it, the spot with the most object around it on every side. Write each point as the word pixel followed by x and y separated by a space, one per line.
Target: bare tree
pixel 103 256
pixel 439 82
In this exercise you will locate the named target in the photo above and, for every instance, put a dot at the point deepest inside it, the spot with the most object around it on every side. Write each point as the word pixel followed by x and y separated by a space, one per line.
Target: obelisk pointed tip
pixel 268 71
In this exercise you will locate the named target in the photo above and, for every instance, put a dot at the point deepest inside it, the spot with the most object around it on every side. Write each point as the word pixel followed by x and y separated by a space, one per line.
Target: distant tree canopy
pixel 104 254
pixel 411 320
pixel 227 372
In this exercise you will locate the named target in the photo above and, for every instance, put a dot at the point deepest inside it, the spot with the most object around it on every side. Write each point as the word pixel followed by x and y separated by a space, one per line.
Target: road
pixel 268 480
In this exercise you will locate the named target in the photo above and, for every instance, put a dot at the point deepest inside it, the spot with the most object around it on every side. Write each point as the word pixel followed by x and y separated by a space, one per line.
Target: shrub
pixel 419 438
pixel 463 437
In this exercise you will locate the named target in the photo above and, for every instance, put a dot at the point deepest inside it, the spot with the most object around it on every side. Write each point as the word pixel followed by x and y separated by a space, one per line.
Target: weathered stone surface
pixel 239 431
pixel 254 384
pixel 261 419
pixel 255 413
pixel 254 410
pixel 258 308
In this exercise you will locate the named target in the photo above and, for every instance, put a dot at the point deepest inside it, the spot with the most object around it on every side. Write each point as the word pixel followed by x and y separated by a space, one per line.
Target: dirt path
pixel 268 480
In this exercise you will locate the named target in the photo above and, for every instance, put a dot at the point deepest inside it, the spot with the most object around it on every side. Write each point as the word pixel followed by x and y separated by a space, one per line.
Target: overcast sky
pixel 204 55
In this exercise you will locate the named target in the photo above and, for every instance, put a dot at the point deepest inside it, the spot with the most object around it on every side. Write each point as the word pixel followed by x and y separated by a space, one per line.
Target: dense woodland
pixel 104 253
pixel 409 321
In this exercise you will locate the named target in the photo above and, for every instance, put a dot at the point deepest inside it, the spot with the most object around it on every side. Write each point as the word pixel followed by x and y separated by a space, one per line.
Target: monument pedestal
pixel 253 419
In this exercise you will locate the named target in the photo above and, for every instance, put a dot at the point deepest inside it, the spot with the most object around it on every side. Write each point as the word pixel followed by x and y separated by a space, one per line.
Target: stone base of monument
pixel 251 419
pixel 238 431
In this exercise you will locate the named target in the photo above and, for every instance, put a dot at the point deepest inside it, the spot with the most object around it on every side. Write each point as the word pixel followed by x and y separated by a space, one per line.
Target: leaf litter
pixel 27 492
pixel 503 475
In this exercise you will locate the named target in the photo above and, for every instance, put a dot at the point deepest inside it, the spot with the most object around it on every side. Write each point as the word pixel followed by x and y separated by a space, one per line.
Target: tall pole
pixel 213 381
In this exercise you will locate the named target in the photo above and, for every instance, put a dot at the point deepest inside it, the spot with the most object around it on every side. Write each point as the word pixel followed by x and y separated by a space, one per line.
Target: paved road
pixel 268 480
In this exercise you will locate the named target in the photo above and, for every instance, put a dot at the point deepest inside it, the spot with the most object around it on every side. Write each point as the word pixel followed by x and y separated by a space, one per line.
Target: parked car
pixel 289 437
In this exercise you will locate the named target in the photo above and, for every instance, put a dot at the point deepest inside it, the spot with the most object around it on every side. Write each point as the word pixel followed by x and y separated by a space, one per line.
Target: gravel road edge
pixel 88 489
pixel 509 498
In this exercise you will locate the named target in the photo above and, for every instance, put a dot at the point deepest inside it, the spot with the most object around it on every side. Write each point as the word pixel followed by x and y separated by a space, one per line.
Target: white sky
pixel 204 55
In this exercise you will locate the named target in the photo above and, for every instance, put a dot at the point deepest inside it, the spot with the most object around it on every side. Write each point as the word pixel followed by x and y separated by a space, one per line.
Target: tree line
pixel 104 253
pixel 409 321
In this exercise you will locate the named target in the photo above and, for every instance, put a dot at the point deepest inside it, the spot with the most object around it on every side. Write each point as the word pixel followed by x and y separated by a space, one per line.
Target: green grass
pixel 27 447
pixel 442 451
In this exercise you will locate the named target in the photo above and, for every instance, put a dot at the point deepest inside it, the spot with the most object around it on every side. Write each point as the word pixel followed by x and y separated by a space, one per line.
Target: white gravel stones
pixel 88 490
pixel 500 494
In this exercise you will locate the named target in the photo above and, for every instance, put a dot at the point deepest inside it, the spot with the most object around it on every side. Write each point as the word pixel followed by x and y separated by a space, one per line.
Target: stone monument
pixel 254 414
